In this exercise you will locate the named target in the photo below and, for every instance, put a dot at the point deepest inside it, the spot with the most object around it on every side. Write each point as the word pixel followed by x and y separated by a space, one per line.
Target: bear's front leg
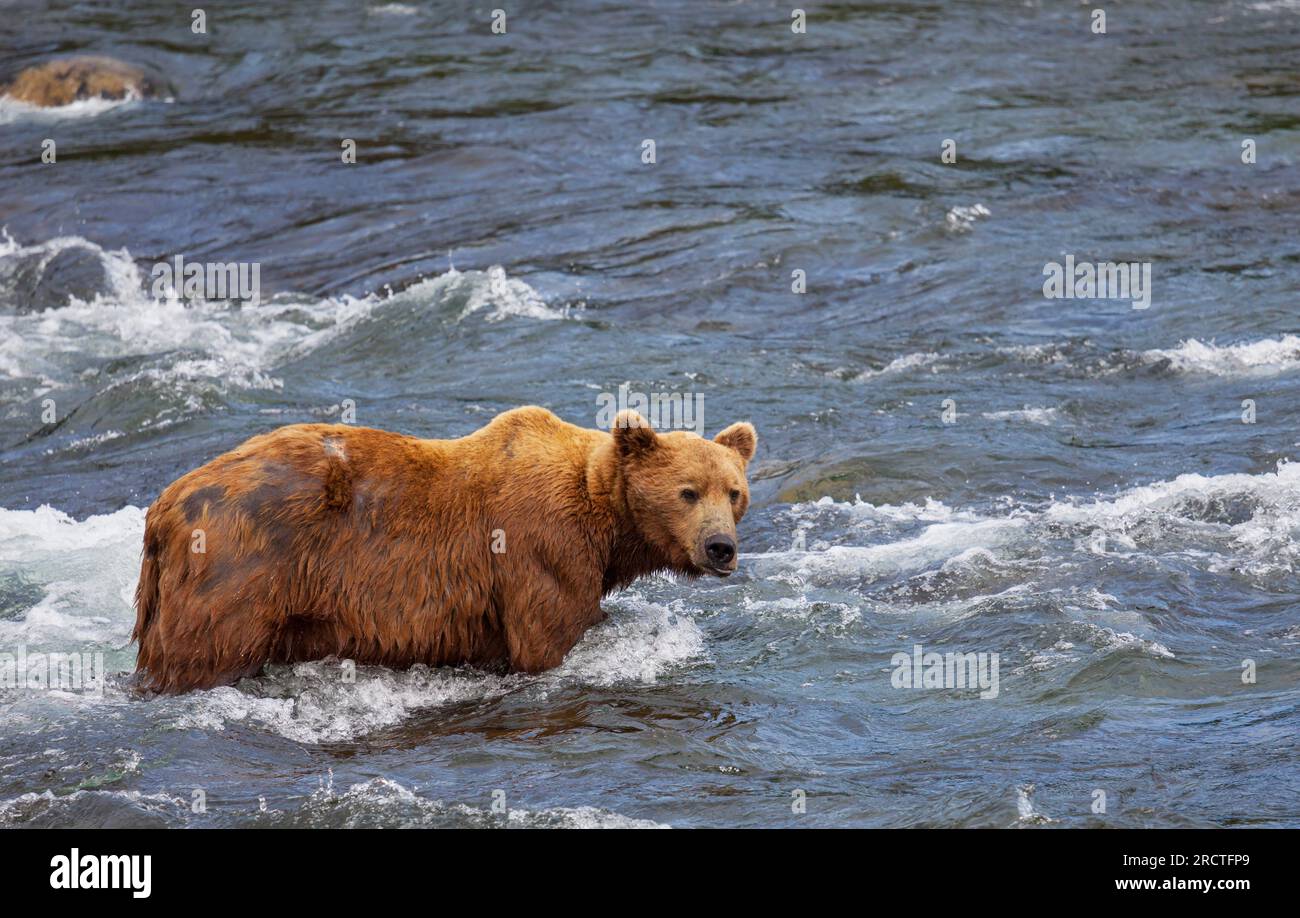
pixel 544 618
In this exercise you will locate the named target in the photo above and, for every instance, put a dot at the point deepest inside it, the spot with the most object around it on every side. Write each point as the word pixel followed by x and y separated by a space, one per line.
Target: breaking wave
pixel 76 317
pixel 1253 358
pixel 903 364
pixel 1237 522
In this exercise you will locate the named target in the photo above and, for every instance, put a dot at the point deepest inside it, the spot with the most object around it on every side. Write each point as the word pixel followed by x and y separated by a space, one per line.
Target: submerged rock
pixel 72 79
pixel 38 281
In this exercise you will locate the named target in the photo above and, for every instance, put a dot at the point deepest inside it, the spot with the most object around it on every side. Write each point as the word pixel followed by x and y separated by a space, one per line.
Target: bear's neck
pixel 626 553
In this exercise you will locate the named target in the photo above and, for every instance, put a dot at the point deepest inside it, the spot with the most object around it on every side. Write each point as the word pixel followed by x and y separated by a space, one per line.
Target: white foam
pixel 863 512
pixel 1025 807
pixel 1254 520
pixel 903 364
pixel 26 807
pixel 639 645
pixel 1234 523
pixel 1047 658
pixel 1049 353
pixel 84 570
pixel 936 544
pixel 1108 639
pixel 92 441
pixel 46 534
pixel 1279 489
pixel 1268 356
pixel 962 218
pixel 950 611
pixel 804 609
pixel 503 296
pixel 1043 416
pixel 311 702
pixel 13 110
pixel 1273 6
pixel 382 800
pixel 587 817
pixel 214 342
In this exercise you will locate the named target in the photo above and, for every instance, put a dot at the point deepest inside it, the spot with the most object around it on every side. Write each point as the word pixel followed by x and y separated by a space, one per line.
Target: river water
pixel 947 457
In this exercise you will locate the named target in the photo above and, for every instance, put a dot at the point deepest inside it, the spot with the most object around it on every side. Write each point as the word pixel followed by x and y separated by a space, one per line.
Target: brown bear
pixel 71 79
pixel 494 549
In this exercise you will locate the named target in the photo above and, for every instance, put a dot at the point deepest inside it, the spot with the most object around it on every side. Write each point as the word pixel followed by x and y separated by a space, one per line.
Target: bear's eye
pixel 735 495
pixel 689 495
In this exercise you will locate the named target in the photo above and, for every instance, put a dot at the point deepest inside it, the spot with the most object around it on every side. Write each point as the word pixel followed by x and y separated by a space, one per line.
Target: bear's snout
pixel 720 549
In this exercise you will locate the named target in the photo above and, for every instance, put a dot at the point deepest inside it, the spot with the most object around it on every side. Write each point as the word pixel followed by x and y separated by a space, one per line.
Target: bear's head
pixel 685 493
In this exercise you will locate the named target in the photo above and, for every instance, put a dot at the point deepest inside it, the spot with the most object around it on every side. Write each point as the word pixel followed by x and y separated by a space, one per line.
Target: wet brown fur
pixel 327 540
pixel 70 79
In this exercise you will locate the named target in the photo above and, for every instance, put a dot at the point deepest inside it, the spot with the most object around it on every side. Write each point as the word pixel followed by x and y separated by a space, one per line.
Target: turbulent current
pixel 950 462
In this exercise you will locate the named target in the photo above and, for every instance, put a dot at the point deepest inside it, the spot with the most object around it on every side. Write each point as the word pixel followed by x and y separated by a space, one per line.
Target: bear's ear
pixel 632 434
pixel 741 437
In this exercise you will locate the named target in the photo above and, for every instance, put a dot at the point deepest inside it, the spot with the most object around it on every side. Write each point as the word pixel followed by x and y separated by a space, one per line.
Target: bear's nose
pixel 721 549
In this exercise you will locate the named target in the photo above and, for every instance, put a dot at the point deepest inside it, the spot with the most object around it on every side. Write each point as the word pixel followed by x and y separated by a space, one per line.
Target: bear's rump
pixel 313 560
